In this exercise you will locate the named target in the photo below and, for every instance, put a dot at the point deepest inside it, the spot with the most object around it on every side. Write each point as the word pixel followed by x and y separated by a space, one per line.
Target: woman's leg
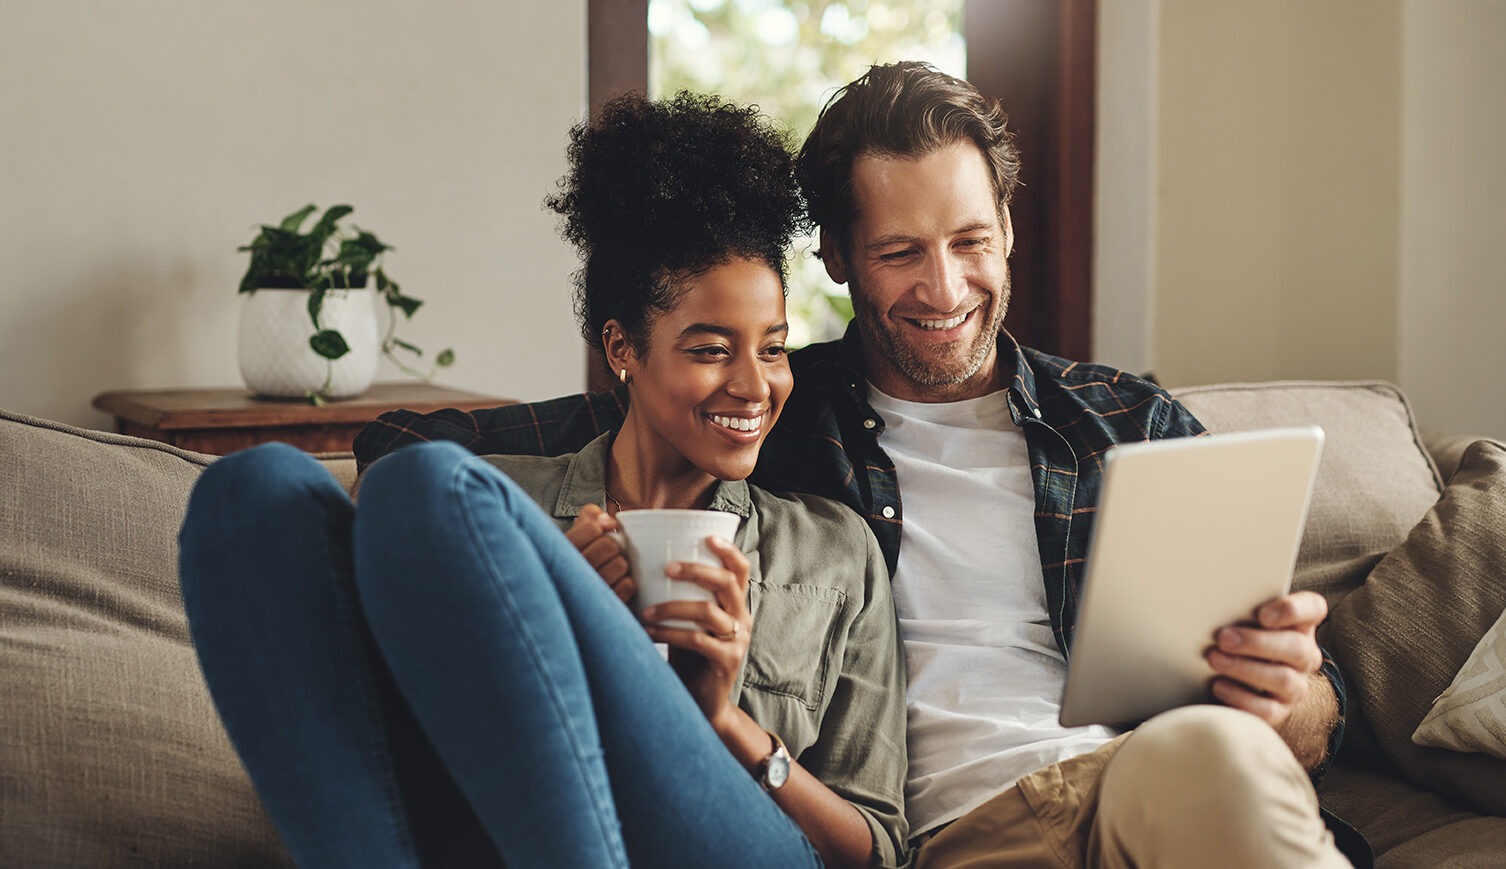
pixel 328 742
pixel 559 718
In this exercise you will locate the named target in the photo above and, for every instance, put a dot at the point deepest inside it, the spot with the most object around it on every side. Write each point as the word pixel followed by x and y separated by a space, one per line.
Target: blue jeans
pixel 439 678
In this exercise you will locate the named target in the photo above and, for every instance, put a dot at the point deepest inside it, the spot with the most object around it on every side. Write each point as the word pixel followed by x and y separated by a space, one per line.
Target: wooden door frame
pixel 1039 58
pixel 616 62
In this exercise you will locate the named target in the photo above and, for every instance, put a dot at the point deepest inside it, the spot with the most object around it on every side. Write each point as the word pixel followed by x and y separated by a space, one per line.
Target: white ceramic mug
pixel 654 538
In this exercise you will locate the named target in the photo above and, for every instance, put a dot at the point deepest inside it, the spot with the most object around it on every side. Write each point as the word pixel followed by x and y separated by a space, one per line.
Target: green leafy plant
pixel 332 257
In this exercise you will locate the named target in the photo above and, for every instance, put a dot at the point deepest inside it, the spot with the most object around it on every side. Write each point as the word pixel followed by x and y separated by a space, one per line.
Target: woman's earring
pixel 622 375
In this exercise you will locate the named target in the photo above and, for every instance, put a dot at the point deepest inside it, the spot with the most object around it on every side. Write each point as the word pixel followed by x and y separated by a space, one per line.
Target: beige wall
pixel 1453 264
pixel 142 142
pixel 1306 190
pixel 1280 189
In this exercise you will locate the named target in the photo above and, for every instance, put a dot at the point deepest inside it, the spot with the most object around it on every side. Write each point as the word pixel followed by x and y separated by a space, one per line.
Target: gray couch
pixel 111 753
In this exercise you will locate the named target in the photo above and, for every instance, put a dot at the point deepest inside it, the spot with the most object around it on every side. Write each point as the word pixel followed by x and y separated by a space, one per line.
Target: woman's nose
pixel 748 380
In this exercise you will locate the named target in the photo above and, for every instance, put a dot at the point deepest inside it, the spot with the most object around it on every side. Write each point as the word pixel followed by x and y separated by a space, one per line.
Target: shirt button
pixel 1036 412
pixel 870 423
pixel 888 512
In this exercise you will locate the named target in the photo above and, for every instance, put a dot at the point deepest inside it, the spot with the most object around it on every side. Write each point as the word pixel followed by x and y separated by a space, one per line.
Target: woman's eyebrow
pixel 727 331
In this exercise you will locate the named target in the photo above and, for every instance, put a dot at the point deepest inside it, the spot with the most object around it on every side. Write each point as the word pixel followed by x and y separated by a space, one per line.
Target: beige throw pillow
pixel 1471 714
pixel 1401 638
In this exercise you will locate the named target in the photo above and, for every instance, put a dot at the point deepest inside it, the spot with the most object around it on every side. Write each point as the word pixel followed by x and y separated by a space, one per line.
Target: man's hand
pixel 592 535
pixel 1266 668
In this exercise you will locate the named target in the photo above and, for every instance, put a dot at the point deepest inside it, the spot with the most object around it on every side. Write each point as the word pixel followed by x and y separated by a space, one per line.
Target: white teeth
pixel 938 325
pixel 737 423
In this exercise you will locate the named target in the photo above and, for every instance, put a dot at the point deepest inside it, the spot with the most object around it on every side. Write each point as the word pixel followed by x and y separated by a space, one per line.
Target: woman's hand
pixel 592 535
pixel 709 657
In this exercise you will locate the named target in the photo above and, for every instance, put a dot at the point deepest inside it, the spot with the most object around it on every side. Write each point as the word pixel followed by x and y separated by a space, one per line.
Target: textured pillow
pixel 1374 480
pixel 111 753
pixel 1471 714
pixel 1402 637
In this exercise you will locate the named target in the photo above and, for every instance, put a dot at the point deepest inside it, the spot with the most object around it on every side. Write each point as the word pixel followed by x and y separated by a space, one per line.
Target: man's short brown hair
pixel 903 109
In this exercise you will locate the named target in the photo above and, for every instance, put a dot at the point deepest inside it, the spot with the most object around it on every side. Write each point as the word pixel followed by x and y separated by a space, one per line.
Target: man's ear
pixel 1008 234
pixel 831 257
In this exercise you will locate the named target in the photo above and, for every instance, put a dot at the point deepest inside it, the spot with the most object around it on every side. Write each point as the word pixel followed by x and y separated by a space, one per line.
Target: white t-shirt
pixel 985 675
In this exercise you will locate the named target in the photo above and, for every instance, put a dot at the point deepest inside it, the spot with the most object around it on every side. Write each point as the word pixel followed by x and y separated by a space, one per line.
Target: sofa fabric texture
pixel 1403 637
pixel 111 753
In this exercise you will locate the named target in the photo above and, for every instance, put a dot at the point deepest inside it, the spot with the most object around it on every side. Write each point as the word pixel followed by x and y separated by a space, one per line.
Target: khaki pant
pixel 1197 787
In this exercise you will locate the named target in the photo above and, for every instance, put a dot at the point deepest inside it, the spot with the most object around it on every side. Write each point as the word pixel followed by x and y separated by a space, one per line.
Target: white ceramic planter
pixel 275 356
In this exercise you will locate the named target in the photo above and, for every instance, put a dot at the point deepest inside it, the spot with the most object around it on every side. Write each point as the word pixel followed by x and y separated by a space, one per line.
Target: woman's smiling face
pixel 713 376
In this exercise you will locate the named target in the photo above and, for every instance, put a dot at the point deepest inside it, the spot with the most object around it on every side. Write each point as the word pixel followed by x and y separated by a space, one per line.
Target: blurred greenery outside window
pixel 788 57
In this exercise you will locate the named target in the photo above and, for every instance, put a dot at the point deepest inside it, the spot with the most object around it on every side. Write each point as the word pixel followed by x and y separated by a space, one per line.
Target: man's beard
pixel 884 339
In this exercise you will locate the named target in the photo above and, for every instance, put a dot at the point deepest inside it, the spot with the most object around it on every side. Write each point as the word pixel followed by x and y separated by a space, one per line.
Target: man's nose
pixel 943 287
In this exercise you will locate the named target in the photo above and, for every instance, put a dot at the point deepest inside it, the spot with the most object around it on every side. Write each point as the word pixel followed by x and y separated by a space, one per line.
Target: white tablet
pixel 1191 534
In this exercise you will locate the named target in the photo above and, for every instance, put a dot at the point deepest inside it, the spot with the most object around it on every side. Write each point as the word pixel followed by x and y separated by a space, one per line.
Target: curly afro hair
pixel 660 191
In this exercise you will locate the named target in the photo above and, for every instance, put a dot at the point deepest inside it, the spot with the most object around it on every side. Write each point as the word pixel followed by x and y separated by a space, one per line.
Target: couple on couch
pixel 448 675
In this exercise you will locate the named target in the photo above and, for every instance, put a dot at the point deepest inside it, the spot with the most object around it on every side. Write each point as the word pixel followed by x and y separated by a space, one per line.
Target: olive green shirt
pixel 823 668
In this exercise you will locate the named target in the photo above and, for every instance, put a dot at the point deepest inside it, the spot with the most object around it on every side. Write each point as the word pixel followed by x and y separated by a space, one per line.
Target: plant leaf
pixel 407 303
pixel 329 343
pixel 295 220
pixel 252 278
pixel 445 359
pixel 326 225
pixel 316 302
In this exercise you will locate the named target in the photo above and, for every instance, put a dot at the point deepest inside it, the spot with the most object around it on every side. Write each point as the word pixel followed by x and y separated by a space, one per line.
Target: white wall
pixel 142 142
pixel 1453 274
pixel 1279 190
pixel 1290 189
pixel 1125 216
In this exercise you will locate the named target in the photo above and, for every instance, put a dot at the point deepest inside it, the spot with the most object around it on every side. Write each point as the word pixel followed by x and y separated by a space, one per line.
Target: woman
pixel 441 677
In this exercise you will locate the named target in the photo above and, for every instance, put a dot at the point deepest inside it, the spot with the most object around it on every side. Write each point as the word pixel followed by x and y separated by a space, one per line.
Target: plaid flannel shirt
pixel 826 443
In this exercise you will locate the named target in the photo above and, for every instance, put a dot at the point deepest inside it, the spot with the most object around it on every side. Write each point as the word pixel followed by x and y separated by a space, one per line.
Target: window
pixel 789 57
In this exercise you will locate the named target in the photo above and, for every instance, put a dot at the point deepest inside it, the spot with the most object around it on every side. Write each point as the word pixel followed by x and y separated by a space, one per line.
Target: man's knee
pixel 1209 785
pixel 1202 741
pixel 1209 767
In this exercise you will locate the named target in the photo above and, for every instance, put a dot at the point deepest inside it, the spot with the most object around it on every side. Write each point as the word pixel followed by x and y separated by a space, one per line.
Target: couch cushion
pixel 1374 480
pixel 1408 827
pixel 110 749
pixel 1402 637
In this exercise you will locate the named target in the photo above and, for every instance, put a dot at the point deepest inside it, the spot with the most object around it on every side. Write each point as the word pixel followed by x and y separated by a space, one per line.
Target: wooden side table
pixel 220 421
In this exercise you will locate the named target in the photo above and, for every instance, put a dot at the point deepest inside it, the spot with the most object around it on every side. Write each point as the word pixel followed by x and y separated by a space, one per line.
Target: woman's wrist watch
pixel 774 771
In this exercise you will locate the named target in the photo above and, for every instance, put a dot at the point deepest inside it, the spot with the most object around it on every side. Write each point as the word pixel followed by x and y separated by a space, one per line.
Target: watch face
pixel 778 771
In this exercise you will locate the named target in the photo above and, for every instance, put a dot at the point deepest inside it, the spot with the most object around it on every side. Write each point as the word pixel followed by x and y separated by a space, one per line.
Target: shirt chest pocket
pixel 795 632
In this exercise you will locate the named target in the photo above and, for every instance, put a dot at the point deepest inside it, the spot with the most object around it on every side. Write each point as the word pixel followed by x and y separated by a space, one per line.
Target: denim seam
pixel 353 621
pixel 463 470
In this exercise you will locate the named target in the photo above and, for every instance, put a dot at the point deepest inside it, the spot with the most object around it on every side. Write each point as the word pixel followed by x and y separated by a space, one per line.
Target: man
pixel 997 451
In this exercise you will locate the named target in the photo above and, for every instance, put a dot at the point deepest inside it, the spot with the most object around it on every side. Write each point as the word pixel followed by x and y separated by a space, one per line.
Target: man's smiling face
pixel 927 270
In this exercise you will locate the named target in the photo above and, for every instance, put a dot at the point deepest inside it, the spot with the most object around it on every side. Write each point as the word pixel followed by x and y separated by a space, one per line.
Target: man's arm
pixel 1308 729
pixel 1274 669
pixel 542 428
